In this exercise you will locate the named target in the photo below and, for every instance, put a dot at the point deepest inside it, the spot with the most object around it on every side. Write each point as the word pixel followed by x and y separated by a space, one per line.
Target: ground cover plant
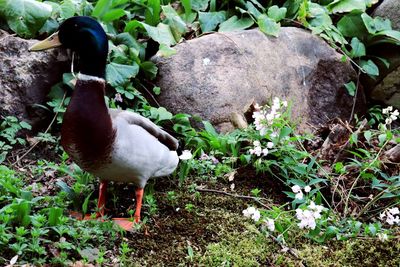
pixel 281 198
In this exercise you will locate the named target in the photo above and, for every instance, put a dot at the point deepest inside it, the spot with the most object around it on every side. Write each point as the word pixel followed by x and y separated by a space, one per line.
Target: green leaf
pixel 156 90
pixel 152 14
pixel 199 5
pixel 175 22
pixel 67 9
pixel 161 34
pixel 388 36
pixel 268 25
pixel 160 114
pixel 210 129
pixel 25 17
pixel 369 67
pixel 352 25
pixel 54 216
pixel 101 7
pixel 113 14
pixel 25 125
pixel 253 10
pixel 358 48
pixel 351 88
pixel 85 203
pixel 285 131
pixel 342 6
pixel 150 69
pixel 210 20
pixel 165 51
pixel 118 74
pixel 367 136
pixel 187 6
pixel 276 13
pixel 235 24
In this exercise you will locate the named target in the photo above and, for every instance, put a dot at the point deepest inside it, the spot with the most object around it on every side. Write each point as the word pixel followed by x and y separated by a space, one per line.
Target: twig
pixel 284 247
pixel 256 199
pixel 47 130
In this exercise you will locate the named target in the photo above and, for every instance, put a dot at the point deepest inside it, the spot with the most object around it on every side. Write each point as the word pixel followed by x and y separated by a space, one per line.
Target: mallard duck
pixel 114 145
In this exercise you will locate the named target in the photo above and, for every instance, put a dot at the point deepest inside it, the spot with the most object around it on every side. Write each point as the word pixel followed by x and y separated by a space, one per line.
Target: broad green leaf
pixel 276 13
pixel 67 9
pixel 268 25
pixel 161 34
pixel 165 51
pixel 118 74
pixel 253 10
pixel 210 20
pixel 101 8
pixel 132 25
pixel 176 24
pixel 54 215
pixel 187 6
pixel 152 14
pixel 235 24
pixel 25 125
pixel 367 136
pixel 352 25
pixel 351 88
pixel 210 129
pixel 199 5
pixel 342 6
pixel 358 48
pixel 369 67
pixel 25 17
pixel 160 114
pixel 150 69
pixel 113 14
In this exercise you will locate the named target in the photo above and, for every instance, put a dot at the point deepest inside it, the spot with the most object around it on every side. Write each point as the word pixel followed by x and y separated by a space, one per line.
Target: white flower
pixel 186 154
pixel 387 110
pixel 256 143
pixel 249 211
pixel 256 151
pixel 388 121
pixel 232 186
pixel 307 188
pixel 256 215
pixel 299 195
pixel 265 151
pixel 296 189
pixel 383 237
pixel 394 211
pixel 284 103
pixel 270 145
pixel 270 224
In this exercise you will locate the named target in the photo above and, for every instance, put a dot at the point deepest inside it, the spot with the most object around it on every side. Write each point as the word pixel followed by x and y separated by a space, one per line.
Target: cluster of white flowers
pixel 392 216
pixel 270 223
pixel 382 237
pixel 392 114
pixel 253 213
pixel 186 155
pixel 258 150
pixel 309 216
pixel 262 119
pixel 297 189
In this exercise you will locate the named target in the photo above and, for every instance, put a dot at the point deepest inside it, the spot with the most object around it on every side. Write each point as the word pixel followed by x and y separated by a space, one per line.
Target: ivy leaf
pixel 358 48
pixel 199 5
pixel 342 6
pixel 369 67
pixel 276 13
pixel 161 34
pixel 268 25
pixel 165 51
pixel 67 9
pixel 351 88
pixel 118 74
pixel 352 25
pixel 210 20
pixel 113 14
pixel 150 69
pixel 25 17
pixel 175 22
pixel 235 24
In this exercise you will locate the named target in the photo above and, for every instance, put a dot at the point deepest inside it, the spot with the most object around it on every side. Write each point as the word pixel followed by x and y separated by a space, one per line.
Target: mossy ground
pixel 212 226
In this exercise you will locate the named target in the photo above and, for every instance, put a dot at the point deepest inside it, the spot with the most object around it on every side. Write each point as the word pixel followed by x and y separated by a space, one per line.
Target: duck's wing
pixel 136 119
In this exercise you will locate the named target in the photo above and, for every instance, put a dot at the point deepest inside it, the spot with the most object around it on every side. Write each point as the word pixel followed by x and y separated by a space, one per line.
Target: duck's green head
pixel 86 37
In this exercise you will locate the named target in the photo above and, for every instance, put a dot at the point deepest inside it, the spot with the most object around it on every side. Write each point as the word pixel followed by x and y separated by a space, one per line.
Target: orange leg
pixel 125 223
pixel 139 198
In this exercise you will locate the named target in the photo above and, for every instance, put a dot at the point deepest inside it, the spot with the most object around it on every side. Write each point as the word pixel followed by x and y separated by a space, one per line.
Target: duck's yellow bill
pixel 50 42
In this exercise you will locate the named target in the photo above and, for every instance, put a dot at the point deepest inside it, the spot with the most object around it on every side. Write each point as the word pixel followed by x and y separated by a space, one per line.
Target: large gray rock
pixel 389 9
pixel 386 88
pixel 26 77
pixel 219 76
